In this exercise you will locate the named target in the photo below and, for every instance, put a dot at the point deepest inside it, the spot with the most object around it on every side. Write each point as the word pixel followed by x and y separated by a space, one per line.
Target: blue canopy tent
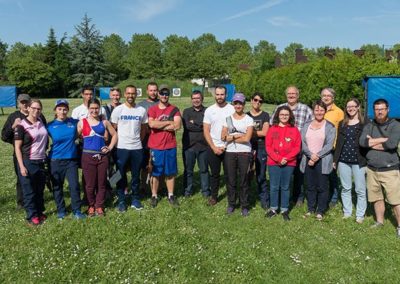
pixel 104 93
pixel 382 87
pixel 230 91
pixel 8 97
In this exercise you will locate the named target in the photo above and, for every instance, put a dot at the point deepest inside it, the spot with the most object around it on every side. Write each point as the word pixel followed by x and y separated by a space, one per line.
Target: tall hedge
pixel 345 74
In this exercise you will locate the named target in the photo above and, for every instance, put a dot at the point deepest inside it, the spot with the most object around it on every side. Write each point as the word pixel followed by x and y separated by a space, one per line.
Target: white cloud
pixel 377 17
pixel 144 10
pixel 267 5
pixel 284 22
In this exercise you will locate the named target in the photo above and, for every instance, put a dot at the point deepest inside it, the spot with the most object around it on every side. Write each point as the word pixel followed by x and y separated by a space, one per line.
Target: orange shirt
pixel 334 116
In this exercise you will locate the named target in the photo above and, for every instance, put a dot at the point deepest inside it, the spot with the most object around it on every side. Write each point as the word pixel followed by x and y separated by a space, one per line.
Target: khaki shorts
pixel 381 184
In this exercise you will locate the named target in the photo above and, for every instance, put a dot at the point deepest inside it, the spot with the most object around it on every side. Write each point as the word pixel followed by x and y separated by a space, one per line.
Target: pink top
pixel 315 138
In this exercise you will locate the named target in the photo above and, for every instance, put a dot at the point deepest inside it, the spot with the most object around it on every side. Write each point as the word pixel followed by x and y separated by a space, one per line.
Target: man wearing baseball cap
pixel 7 135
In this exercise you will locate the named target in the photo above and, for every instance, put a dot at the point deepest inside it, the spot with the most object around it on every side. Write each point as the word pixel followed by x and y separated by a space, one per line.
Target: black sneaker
pixel 154 201
pixel 271 214
pixel 285 216
pixel 173 201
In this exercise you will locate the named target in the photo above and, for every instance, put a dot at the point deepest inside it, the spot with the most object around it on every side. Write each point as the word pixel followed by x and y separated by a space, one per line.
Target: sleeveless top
pixel 93 137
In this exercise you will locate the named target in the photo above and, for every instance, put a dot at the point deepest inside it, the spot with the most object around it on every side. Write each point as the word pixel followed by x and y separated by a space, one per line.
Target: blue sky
pixel 313 23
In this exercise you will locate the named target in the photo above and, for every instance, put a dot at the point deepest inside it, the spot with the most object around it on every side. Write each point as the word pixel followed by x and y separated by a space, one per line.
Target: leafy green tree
pixel 236 52
pixel 144 56
pixel 208 58
pixel 264 56
pixel 3 52
pixel 87 60
pixel 177 58
pixel 115 54
pixel 50 48
pixel 374 50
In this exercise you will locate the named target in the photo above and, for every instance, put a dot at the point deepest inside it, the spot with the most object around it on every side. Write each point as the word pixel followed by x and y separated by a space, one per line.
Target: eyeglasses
pixel 36 108
pixel 349 107
pixel 237 103
pixel 380 109
pixel 258 101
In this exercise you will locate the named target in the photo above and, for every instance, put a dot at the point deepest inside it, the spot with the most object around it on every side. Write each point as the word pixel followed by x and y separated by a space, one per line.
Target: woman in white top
pixel 236 132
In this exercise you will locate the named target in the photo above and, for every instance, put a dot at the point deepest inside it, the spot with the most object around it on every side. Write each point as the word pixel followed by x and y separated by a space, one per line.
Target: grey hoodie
pixel 388 158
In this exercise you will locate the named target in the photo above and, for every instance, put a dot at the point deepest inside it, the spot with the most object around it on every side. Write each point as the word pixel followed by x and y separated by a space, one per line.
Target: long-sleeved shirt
pixel 386 159
pixel 193 137
pixel 282 142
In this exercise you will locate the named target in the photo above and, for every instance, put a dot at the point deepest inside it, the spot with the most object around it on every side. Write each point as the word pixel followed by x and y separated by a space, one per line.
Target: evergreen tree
pixel 3 52
pixel 87 60
pixel 51 48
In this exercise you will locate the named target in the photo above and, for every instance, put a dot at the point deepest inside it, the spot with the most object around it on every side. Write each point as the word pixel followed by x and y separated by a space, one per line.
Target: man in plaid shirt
pixel 302 113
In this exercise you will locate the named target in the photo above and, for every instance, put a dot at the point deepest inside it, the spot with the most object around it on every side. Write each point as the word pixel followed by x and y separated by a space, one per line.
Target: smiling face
pixel 61 112
pixel 23 106
pixel 152 92
pixel 319 113
pixel 256 103
pixel 352 109
pixel 284 116
pixel 115 96
pixel 220 96
pixel 327 97
pixel 197 100
pixel 292 95
pixel 130 95
pixel 94 110
pixel 35 109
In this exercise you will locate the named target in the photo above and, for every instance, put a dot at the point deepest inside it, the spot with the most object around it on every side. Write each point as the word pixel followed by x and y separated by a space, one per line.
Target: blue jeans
pixel 33 187
pixel 61 169
pixel 134 158
pixel 346 172
pixel 279 179
pixel 261 167
pixel 189 158
pixel 333 187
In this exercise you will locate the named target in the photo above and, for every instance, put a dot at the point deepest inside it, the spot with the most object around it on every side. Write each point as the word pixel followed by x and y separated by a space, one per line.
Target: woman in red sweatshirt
pixel 283 143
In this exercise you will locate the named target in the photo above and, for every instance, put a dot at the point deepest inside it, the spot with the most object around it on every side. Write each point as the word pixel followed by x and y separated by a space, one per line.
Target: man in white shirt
pixel 82 110
pixel 129 120
pixel 214 118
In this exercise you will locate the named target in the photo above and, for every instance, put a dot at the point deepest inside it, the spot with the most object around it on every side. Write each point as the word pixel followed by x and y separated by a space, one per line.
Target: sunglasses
pixel 258 101
pixel 164 94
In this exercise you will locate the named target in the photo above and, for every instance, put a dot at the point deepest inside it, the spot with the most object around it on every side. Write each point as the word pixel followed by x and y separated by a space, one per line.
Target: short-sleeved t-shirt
pixel 161 139
pixel 63 134
pixel 34 139
pixel 129 121
pixel 239 127
pixel 82 111
pixel 259 120
pixel 215 117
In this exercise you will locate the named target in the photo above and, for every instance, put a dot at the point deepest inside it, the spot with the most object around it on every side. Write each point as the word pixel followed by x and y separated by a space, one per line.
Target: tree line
pixel 60 67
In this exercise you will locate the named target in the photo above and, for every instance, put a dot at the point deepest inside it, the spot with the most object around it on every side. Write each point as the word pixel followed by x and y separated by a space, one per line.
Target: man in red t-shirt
pixel 164 120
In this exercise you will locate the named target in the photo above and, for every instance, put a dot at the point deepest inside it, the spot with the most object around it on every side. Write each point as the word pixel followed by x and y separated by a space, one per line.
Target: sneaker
pixel 212 201
pixel 285 216
pixel 360 220
pixel 332 204
pixel 271 213
pixel 346 217
pixel 230 210
pixel 121 207
pixel 136 204
pixel 398 231
pixel 99 211
pixel 319 217
pixel 91 211
pixel 173 201
pixel 61 215
pixel 308 214
pixel 245 212
pixel 79 215
pixel 42 218
pixel 34 221
pixel 377 225
pixel 154 201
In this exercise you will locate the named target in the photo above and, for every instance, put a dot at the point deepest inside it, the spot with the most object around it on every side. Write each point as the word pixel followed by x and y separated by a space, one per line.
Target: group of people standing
pixel 311 145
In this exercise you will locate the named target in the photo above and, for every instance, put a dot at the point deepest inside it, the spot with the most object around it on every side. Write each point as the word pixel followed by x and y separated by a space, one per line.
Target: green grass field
pixel 193 243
